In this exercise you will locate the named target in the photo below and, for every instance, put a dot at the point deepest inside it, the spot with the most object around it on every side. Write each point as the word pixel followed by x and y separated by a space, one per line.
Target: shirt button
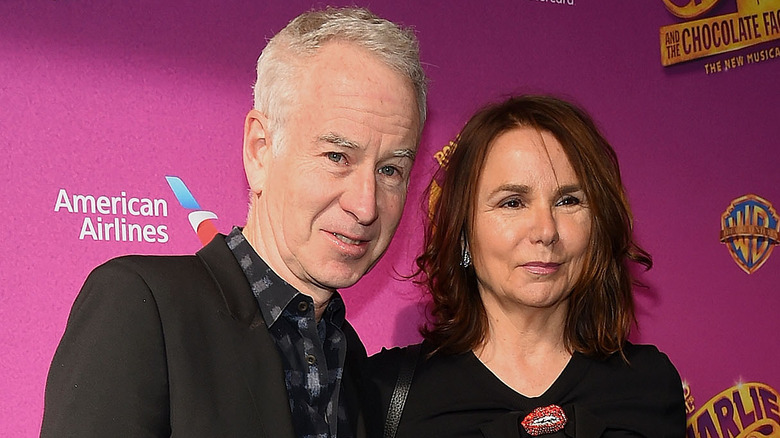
pixel 310 359
pixel 303 306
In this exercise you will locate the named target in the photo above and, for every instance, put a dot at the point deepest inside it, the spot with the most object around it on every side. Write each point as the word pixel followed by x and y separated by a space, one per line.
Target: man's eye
pixel 389 170
pixel 336 157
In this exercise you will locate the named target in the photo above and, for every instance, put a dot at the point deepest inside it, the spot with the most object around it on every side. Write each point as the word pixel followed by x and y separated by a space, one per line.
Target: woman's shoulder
pixel 644 366
pixel 388 355
pixel 646 357
pixel 634 357
pixel 642 392
pixel 380 374
pixel 384 365
pixel 642 350
pixel 424 354
pixel 429 366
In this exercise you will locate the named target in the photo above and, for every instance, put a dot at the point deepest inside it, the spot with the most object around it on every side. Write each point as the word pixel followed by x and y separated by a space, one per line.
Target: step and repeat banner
pixel 122 124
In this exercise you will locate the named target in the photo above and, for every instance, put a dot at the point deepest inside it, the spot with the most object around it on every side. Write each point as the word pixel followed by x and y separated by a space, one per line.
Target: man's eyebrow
pixel 339 140
pixel 405 153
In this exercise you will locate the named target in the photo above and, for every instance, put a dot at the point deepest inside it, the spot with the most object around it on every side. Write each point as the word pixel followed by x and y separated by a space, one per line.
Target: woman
pixel 527 264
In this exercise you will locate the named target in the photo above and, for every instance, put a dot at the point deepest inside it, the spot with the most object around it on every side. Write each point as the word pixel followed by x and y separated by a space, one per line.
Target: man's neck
pixel 320 296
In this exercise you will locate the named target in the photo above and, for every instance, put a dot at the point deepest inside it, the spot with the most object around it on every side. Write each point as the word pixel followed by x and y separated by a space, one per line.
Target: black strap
pixel 401 390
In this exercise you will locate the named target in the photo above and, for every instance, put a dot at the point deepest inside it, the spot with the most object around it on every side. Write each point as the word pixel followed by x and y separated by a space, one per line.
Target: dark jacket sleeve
pixel 108 376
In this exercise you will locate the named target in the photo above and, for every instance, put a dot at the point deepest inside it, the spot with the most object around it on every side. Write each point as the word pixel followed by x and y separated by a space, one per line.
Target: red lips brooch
pixel 544 420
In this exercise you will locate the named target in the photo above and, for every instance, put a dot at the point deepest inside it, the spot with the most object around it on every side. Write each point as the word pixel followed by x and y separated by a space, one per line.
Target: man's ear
pixel 257 150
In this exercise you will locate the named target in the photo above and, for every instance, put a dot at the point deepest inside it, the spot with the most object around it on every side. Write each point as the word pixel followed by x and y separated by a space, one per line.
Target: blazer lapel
pixel 254 349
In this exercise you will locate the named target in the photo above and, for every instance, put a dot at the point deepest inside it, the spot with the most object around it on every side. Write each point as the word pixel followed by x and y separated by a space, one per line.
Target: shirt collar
pixel 273 294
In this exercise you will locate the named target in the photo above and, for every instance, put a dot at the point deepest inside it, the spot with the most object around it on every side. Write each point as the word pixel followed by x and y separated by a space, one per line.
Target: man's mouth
pixel 347 240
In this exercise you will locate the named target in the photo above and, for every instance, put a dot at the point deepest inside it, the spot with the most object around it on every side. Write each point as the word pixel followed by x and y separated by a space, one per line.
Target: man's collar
pixel 273 293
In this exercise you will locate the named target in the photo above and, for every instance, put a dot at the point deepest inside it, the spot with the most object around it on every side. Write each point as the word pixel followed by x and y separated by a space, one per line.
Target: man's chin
pixel 341 278
pixel 342 283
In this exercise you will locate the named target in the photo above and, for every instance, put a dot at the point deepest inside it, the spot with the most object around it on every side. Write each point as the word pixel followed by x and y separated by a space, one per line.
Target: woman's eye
pixel 336 157
pixel 511 203
pixel 569 200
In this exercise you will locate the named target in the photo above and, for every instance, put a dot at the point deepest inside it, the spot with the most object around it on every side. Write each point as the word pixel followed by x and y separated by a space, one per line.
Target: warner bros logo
pixel 749 227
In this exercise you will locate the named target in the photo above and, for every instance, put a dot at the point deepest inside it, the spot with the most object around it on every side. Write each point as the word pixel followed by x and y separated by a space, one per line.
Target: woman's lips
pixel 541 268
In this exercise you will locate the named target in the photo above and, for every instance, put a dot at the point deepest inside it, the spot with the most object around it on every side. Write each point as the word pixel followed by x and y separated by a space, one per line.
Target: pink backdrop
pixel 99 98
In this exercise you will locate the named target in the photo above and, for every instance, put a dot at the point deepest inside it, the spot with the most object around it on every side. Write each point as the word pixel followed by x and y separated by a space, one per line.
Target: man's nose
pixel 359 197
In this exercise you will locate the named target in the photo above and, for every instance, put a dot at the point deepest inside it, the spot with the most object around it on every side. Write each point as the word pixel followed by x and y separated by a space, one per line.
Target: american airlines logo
pixel 202 221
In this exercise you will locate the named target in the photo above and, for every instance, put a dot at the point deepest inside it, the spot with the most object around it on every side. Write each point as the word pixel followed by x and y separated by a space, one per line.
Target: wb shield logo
pixel 750 229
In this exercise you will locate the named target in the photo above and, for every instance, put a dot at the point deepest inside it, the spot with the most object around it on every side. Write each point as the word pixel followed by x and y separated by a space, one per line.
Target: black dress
pixel 457 396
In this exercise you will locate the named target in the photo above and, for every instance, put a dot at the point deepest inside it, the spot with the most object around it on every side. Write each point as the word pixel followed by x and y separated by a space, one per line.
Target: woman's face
pixel 531 223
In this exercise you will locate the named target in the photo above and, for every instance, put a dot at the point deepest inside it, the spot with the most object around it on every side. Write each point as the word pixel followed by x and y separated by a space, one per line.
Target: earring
pixel 466 258
pixel 466 262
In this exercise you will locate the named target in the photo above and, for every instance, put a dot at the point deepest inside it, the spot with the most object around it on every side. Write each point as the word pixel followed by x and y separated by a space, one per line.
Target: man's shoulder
pixel 147 264
pixel 151 270
pixel 212 271
pixel 177 284
pixel 172 267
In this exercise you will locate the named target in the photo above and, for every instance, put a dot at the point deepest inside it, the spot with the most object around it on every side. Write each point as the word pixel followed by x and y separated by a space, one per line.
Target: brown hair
pixel 601 307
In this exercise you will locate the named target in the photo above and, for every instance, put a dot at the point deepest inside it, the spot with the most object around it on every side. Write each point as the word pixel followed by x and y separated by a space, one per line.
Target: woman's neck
pixel 524 347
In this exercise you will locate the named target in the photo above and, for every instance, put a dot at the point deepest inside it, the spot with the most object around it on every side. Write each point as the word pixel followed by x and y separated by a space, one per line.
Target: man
pixel 248 338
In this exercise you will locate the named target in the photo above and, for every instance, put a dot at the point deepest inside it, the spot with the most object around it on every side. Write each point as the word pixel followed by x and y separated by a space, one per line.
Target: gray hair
pixel 395 46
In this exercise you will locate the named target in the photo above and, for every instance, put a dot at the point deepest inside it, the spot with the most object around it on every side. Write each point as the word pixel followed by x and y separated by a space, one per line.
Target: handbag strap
pixel 401 390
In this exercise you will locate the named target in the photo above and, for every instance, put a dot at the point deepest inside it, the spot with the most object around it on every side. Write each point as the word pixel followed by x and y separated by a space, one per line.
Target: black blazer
pixel 159 346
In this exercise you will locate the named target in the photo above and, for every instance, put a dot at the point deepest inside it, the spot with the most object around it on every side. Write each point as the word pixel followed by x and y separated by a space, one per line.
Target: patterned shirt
pixel 312 353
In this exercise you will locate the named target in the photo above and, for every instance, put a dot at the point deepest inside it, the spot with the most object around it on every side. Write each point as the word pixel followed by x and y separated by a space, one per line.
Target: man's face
pixel 332 194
